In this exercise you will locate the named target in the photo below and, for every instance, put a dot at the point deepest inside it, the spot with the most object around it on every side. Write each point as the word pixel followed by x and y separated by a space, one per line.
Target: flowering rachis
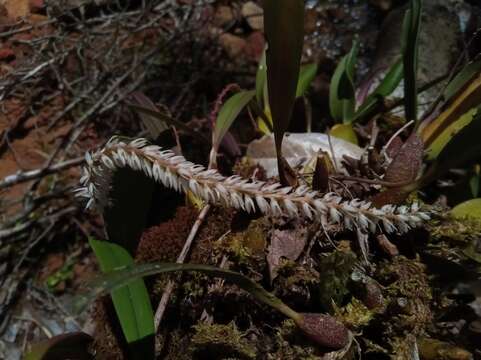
pixel 176 172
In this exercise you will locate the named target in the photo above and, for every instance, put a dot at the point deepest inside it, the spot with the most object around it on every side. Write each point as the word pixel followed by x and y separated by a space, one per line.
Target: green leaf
pixel 124 276
pixel 66 346
pixel 306 75
pixel 131 300
pixel 228 113
pixel 464 146
pixel 390 81
pixel 284 30
pixel 410 36
pixel 342 91
pixel 470 208
pixel 451 130
pixel 462 79
pixel 474 182
pixel 261 77
pixel 388 84
pixel 345 132
pixel 454 115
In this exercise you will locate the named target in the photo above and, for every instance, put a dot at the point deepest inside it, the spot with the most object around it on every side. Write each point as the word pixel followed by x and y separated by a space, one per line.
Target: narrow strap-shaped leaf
pixel 462 79
pixel 410 36
pixel 229 112
pixel 123 276
pixel 284 30
pixel 452 117
pixel 261 77
pixel 131 301
pixel 342 98
pixel 318 327
pixel 464 146
pixel 388 84
pixel 306 75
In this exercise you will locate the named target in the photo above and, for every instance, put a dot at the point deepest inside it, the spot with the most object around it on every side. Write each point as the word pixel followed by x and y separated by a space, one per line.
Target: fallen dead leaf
pixel 287 244
pixel 404 168
pixel 407 162
pixel 16 8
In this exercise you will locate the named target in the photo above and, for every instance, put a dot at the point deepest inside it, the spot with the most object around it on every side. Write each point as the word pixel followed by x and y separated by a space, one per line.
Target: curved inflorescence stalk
pixel 271 199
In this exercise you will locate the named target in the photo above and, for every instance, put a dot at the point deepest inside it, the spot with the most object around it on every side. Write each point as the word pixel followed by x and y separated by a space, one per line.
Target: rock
pixel 223 16
pixel 254 15
pixel 232 44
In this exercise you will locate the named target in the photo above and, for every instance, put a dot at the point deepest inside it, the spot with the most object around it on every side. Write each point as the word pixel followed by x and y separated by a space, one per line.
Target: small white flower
pixel 175 172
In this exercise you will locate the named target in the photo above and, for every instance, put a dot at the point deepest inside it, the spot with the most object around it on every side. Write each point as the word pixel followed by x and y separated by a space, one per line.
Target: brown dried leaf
pixel 287 244
pixel 407 163
pixel 387 246
pixel 394 195
pixel 394 147
pixel 17 8
pixel 404 168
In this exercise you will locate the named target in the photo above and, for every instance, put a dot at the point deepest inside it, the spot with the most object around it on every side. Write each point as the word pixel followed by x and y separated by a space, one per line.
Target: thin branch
pixel 159 313
pixel 24 176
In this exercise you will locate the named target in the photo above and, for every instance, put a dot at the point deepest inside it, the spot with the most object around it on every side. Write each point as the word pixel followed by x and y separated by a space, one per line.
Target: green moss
pixel 409 294
pixel 291 345
pixel 248 247
pixel 336 270
pixel 177 343
pixel 455 230
pixel 295 283
pixel 354 315
pixel 218 341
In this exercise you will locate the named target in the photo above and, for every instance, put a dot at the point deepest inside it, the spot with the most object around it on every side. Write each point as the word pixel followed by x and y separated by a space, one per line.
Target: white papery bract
pixel 177 173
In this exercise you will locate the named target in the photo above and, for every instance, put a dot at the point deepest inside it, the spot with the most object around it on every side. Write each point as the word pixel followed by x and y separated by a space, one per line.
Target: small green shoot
pixel 342 92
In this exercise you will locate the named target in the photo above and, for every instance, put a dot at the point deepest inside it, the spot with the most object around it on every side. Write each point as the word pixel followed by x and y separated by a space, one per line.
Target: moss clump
pixel 459 231
pixel 295 283
pixel 336 270
pixel 290 344
pixel 174 344
pixel 248 247
pixel 165 241
pixel 354 315
pixel 219 341
pixel 409 294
